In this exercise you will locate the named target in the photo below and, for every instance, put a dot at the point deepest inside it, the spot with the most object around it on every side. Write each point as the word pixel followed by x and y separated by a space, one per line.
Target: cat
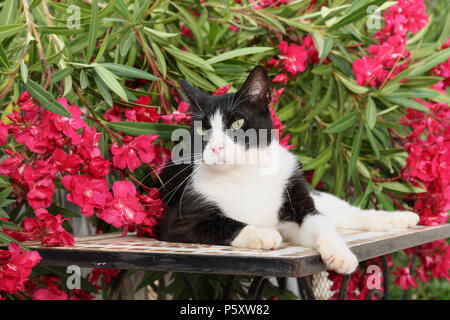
pixel 222 198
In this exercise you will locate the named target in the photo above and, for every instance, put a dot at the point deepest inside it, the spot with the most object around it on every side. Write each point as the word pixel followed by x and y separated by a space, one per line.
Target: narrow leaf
pixel 110 81
pixel 46 99
pixel 92 31
pixel 371 113
pixel 145 128
pixel 342 124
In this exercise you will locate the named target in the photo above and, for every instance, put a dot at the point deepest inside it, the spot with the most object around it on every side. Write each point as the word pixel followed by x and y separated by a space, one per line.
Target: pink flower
pixel 97 167
pixel 180 116
pixel 94 276
pixel 125 208
pixel 69 126
pixel 186 31
pixel 142 114
pixel 48 229
pixel 222 90
pixel 3 133
pixel 276 94
pixel 293 58
pixel 113 114
pixel 281 77
pixel 88 193
pixel 133 151
pixel 368 71
pixel 15 267
pixel 88 146
pixel 390 51
pixel 46 294
pixel 66 163
pixel 41 187
pixel 404 278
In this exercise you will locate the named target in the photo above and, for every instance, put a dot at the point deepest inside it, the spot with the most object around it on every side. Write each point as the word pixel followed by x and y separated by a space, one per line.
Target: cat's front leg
pixel 257 238
pixel 317 231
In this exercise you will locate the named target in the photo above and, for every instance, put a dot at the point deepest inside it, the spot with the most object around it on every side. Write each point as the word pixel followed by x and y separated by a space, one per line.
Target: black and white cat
pixel 224 198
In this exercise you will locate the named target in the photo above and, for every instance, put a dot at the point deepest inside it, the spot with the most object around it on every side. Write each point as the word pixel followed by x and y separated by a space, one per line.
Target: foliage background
pixel 131 55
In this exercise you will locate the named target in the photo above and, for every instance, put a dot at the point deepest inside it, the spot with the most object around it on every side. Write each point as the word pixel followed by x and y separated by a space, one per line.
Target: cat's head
pixel 231 126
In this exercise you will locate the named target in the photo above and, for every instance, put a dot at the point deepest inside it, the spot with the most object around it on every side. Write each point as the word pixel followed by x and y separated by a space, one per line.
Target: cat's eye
pixel 201 131
pixel 236 125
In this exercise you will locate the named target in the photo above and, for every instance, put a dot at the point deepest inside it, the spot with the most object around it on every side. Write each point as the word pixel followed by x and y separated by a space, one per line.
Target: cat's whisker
pixel 184 189
pixel 173 192
pixel 188 167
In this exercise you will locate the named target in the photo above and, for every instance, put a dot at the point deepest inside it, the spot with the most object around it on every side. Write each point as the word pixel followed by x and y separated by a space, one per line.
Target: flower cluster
pixel 294 58
pixel 15 267
pixel 443 70
pixel 359 283
pixel 390 56
pixel 68 149
pixel 428 162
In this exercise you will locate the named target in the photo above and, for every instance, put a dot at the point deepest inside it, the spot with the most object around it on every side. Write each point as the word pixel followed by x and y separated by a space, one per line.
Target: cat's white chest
pixel 246 193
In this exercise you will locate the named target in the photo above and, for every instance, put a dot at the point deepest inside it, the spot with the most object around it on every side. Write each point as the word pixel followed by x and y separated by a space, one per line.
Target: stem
pixel 32 30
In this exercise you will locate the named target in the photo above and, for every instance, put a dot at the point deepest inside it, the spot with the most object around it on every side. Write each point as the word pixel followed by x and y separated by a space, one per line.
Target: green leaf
pixel 429 62
pixel 237 53
pixel 145 128
pixel 323 103
pixel 110 80
pixel 356 147
pixel 195 78
pixel 125 43
pixel 385 201
pixel 102 47
pixel 4 194
pixel 129 72
pixel 296 24
pixel 352 85
pixel 159 58
pixel 355 15
pixel 8 31
pixel 326 48
pixel 410 103
pixel 371 113
pixel 318 174
pixel 55 209
pixel 372 140
pixel 104 91
pixel 343 123
pixel 46 99
pixel 161 34
pixel 8 14
pixel 24 71
pixel 3 59
pixel 400 187
pixel 426 81
pixel 189 58
pixel 123 9
pixel 320 160
pixel 92 31
pixel 61 74
pixel 192 24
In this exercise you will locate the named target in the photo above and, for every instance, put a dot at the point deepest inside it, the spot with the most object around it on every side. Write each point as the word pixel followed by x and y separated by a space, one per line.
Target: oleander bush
pixel 89 96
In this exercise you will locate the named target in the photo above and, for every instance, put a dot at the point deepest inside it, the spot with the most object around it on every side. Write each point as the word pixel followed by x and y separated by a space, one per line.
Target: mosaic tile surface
pixel 115 242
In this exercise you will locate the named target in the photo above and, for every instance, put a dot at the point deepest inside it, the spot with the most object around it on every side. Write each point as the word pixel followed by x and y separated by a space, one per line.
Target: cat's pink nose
pixel 217 148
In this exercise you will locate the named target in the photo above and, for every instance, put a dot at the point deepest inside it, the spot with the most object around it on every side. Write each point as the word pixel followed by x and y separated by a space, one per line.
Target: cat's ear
pixel 256 88
pixel 194 95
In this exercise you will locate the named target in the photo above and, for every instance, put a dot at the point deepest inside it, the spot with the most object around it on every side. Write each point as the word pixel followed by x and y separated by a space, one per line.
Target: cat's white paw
pixel 386 221
pixel 336 255
pixel 257 238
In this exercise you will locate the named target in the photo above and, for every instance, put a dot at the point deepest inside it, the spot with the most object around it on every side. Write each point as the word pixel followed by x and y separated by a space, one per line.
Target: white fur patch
pixel 345 215
pixel 257 238
pixel 247 192
pixel 318 232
